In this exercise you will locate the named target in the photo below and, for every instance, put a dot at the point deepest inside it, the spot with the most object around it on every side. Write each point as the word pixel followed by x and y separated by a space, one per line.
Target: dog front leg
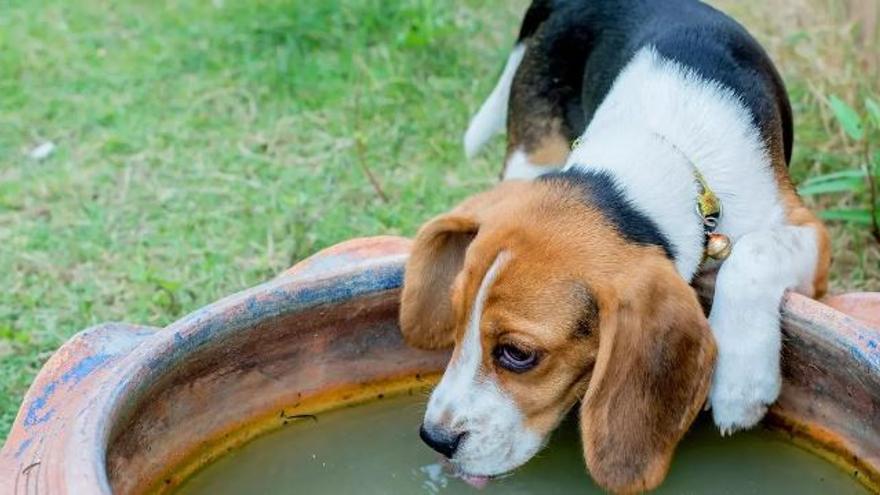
pixel 745 320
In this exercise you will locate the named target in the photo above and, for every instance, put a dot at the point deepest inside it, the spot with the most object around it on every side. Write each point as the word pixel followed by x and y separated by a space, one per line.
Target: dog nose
pixel 441 440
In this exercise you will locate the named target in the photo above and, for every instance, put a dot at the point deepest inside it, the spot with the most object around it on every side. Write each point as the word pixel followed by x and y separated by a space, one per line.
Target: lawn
pixel 203 146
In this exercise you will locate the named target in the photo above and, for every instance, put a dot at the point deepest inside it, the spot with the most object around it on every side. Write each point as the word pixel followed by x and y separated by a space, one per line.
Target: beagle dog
pixel 573 280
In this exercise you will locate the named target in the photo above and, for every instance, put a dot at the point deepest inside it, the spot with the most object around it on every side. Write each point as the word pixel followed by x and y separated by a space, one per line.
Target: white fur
pixel 657 116
pixel 519 167
pixel 493 113
pixel 658 122
pixel 466 400
pixel 745 320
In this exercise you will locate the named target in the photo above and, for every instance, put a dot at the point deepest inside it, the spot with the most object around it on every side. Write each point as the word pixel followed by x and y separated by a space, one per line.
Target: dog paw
pixel 740 402
pixel 734 415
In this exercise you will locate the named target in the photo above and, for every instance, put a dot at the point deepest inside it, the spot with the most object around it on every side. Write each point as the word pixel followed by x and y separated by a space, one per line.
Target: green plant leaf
pixel 857 216
pixel 797 37
pixel 165 284
pixel 845 184
pixel 843 174
pixel 873 110
pixel 847 117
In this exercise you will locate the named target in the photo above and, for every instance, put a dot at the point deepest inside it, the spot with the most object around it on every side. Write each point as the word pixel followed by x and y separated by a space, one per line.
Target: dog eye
pixel 515 359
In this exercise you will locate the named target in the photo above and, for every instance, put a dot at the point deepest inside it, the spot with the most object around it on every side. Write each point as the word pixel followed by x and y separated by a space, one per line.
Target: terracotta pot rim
pixel 95 382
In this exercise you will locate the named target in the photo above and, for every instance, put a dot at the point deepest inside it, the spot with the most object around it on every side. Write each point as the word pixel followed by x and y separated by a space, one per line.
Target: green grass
pixel 204 146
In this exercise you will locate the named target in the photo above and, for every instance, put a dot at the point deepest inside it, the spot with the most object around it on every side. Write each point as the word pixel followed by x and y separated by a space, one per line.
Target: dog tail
pixel 493 113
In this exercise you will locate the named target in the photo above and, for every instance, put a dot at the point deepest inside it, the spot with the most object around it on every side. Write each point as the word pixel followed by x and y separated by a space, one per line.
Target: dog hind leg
pixel 493 113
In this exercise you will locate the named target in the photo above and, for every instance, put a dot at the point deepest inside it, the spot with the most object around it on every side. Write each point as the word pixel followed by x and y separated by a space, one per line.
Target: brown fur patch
pixel 536 121
pixel 552 150
pixel 427 319
pixel 798 214
pixel 542 142
pixel 652 376
pixel 645 363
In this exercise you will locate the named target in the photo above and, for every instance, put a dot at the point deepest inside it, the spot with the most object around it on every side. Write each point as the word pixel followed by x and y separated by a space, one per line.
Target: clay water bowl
pixel 123 408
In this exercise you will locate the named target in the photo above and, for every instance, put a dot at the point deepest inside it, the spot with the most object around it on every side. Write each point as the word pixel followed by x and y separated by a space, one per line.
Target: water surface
pixel 375 449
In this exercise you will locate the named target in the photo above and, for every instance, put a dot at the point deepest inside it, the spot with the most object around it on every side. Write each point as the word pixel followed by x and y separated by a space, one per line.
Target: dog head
pixel 546 304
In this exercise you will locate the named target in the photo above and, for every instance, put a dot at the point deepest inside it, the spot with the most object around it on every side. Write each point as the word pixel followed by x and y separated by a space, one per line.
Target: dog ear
pixel 652 375
pixel 427 319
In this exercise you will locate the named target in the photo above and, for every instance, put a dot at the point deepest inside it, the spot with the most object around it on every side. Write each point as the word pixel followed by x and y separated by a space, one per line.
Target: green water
pixel 375 449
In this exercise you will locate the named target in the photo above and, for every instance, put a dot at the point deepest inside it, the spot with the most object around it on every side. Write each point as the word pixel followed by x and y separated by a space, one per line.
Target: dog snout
pixel 444 441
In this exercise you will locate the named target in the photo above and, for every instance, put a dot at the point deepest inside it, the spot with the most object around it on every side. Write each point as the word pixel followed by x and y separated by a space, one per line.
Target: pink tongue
pixel 478 482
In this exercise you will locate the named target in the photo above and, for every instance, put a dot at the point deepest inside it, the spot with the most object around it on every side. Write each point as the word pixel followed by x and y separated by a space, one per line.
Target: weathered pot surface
pixel 124 408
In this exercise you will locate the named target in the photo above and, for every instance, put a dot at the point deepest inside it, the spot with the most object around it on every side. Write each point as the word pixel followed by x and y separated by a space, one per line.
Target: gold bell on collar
pixel 718 246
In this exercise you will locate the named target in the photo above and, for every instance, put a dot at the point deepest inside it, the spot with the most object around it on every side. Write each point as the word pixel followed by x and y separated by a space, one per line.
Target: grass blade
pixel 843 174
pixel 857 216
pixel 845 184
pixel 847 117
pixel 873 110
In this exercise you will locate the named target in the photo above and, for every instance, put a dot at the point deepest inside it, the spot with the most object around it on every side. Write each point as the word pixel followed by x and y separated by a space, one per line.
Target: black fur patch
pixel 537 13
pixel 588 318
pixel 578 48
pixel 602 192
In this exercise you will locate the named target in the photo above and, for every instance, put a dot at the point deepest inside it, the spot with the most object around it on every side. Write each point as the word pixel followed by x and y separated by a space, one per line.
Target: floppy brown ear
pixel 427 320
pixel 652 375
